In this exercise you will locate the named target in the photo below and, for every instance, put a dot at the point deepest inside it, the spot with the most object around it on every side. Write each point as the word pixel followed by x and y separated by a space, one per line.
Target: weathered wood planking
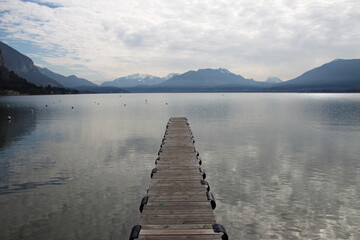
pixel 178 205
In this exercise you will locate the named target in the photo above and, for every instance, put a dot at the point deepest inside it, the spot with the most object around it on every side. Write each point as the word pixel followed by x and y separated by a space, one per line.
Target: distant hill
pixel 80 84
pixel 273 80
pixel 338 75
pixel 1 60
pixel 137 80
pixel 100 89
pixel 203 79
pixel 69 82
pixel 12 84
pixel 24 67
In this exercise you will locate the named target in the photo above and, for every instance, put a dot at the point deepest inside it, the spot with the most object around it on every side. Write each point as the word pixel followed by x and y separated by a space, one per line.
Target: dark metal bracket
pixel 152 172
pixel 218 228
pixel 135 232
pixel 202 172
pixel 205 183
pixel 143 202
pixel 211 198
pixel 198 158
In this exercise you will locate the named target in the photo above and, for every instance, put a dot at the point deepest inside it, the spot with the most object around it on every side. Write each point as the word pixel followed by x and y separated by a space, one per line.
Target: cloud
pixel 254 38
pixel 41 3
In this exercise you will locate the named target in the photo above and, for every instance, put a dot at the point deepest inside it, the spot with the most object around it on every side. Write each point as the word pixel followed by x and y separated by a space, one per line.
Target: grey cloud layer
pixel 252 38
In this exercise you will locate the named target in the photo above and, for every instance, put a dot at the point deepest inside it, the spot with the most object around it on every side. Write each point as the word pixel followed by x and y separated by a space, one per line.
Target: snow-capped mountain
pixel 137 80
pixel 207 78
pixel 273 80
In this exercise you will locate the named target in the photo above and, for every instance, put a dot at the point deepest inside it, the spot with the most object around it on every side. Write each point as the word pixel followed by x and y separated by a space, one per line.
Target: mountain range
pixel 273 80
pixel 336 76
pixel 25 68
pixel 12 84
pixel 207 78
pixel 137 79
pixel 69 82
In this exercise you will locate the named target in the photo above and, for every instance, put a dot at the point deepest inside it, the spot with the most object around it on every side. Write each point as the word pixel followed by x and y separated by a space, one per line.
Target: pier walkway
pixel 178 204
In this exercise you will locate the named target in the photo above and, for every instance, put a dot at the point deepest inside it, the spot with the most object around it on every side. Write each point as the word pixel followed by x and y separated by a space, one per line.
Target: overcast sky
pixel 106 39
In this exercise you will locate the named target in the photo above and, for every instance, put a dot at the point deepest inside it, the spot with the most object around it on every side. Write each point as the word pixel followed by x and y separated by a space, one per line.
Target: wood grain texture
pixel 177 206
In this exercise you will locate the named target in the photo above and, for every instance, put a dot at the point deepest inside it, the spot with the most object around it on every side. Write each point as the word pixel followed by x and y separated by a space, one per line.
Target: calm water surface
pixel 281 166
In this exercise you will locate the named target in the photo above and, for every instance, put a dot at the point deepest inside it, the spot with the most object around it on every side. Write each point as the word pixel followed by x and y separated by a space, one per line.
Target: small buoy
pixel 46 105
pixel 9 118
pixel 72 107
pixel 166 103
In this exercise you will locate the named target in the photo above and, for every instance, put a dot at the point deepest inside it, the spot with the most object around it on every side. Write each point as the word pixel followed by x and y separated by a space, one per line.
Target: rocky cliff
pixel 24 67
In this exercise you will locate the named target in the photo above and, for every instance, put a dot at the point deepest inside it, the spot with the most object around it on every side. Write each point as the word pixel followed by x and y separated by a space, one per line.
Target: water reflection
pixel 22 122
pixel 80 172
pixel 285 170
pixel 281 166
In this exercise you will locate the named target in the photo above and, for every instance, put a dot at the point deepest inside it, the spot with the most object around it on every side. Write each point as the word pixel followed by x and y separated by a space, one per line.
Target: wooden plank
pixel 177 219
pixel 178 232
pixel 201 237
pixel 160 211
pixel 179 198
pixel 187 226
pixel 158 182
pixel 177 177
pixel 176 205
pixel 176 190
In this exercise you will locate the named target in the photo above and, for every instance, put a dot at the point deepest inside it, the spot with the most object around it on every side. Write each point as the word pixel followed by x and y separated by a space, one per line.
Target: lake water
pixel 281 166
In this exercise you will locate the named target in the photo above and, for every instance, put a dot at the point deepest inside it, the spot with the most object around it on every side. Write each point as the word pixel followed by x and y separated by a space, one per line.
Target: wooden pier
pixel 178 204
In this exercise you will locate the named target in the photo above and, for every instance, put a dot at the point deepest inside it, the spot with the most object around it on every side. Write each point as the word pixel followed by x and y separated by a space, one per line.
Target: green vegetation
pixel 12 84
